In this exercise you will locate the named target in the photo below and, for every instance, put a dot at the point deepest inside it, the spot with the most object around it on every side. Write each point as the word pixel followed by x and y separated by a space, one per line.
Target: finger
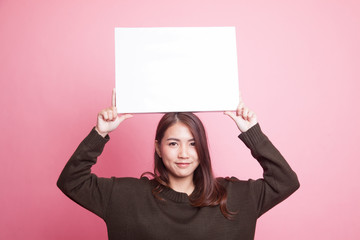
pixel 102 114
pixel 231 114
pixel 241 105
pixel 113 98
pixel 114 111
pixel 245 113
pixel 239 108
pixel 250 114
pixel 110 114
pixel 105 116
pixel 125 116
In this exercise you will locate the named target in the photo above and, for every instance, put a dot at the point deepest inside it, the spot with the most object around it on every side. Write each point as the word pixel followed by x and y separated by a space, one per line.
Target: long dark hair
pixel 208 191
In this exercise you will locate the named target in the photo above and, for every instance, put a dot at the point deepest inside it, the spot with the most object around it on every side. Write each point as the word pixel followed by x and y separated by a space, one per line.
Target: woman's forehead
pixel 178 131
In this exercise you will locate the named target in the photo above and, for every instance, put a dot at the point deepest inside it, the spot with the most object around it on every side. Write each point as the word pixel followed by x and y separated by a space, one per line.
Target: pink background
pixel 299 70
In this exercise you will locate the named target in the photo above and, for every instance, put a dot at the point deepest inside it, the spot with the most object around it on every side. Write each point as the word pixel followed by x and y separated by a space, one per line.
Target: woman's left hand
pixel 243 117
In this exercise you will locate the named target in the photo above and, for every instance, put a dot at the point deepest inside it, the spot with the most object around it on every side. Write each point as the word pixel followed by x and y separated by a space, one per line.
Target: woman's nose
pixel 183 152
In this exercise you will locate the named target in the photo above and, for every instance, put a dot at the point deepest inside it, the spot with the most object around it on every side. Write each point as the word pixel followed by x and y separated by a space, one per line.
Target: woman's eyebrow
pixel 172 139
pixel 176 139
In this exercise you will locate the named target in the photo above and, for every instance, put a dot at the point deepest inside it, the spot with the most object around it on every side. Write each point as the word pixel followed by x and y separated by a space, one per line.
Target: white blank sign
pixel 176 69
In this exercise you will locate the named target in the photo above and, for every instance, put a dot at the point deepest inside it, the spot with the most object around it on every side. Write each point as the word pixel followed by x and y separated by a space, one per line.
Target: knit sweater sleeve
pixel 279 180
pixel 78 183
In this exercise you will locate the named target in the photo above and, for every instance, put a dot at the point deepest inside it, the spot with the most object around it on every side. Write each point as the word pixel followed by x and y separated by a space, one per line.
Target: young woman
pixel 182 200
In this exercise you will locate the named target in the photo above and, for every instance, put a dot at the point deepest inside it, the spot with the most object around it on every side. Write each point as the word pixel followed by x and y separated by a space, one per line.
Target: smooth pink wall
pixel 299 70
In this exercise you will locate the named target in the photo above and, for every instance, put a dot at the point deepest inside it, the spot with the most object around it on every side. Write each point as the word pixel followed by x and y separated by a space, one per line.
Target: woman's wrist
pixel 101 133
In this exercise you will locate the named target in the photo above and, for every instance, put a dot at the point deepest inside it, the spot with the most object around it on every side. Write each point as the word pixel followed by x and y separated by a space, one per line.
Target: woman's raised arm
pixel 76 180
pixel 279 180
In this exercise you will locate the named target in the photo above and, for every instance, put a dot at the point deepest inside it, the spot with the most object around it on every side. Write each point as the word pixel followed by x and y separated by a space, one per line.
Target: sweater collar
pixel 175 196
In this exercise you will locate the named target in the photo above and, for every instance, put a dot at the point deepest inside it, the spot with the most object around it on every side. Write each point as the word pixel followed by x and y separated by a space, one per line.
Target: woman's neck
pixel 184 185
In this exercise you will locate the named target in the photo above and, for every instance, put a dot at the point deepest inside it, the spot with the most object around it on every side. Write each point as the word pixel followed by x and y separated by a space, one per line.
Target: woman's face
pixel 178 153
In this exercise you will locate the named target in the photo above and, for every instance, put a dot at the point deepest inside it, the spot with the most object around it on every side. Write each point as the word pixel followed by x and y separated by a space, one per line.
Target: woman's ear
pixel 157 148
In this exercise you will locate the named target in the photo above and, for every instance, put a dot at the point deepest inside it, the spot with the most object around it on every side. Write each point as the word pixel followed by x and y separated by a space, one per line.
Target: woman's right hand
pixel 108 119
pixel 243 117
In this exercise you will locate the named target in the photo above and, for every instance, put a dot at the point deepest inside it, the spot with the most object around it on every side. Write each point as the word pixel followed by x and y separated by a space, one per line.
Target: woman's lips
pixel 182 165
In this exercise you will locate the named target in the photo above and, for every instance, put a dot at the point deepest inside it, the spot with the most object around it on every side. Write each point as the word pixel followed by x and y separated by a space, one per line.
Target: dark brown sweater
pixel 131 212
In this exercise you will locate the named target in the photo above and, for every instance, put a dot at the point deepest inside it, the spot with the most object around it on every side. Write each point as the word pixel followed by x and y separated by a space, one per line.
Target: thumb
pixel 125 116
pixel 239 121
pixel 231 114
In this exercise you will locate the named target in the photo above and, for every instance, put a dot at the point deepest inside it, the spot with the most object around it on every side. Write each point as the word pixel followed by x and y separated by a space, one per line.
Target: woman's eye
pixel 192 144
pixel 172 144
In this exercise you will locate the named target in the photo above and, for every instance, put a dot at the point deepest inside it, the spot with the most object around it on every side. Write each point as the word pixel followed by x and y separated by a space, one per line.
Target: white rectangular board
pixel 176 69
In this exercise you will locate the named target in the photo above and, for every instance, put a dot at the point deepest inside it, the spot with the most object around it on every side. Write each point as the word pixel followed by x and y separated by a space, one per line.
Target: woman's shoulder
pixel 128 192
pixel 236 188
pixel 230 181
pixel 130 180
pixel 131 183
